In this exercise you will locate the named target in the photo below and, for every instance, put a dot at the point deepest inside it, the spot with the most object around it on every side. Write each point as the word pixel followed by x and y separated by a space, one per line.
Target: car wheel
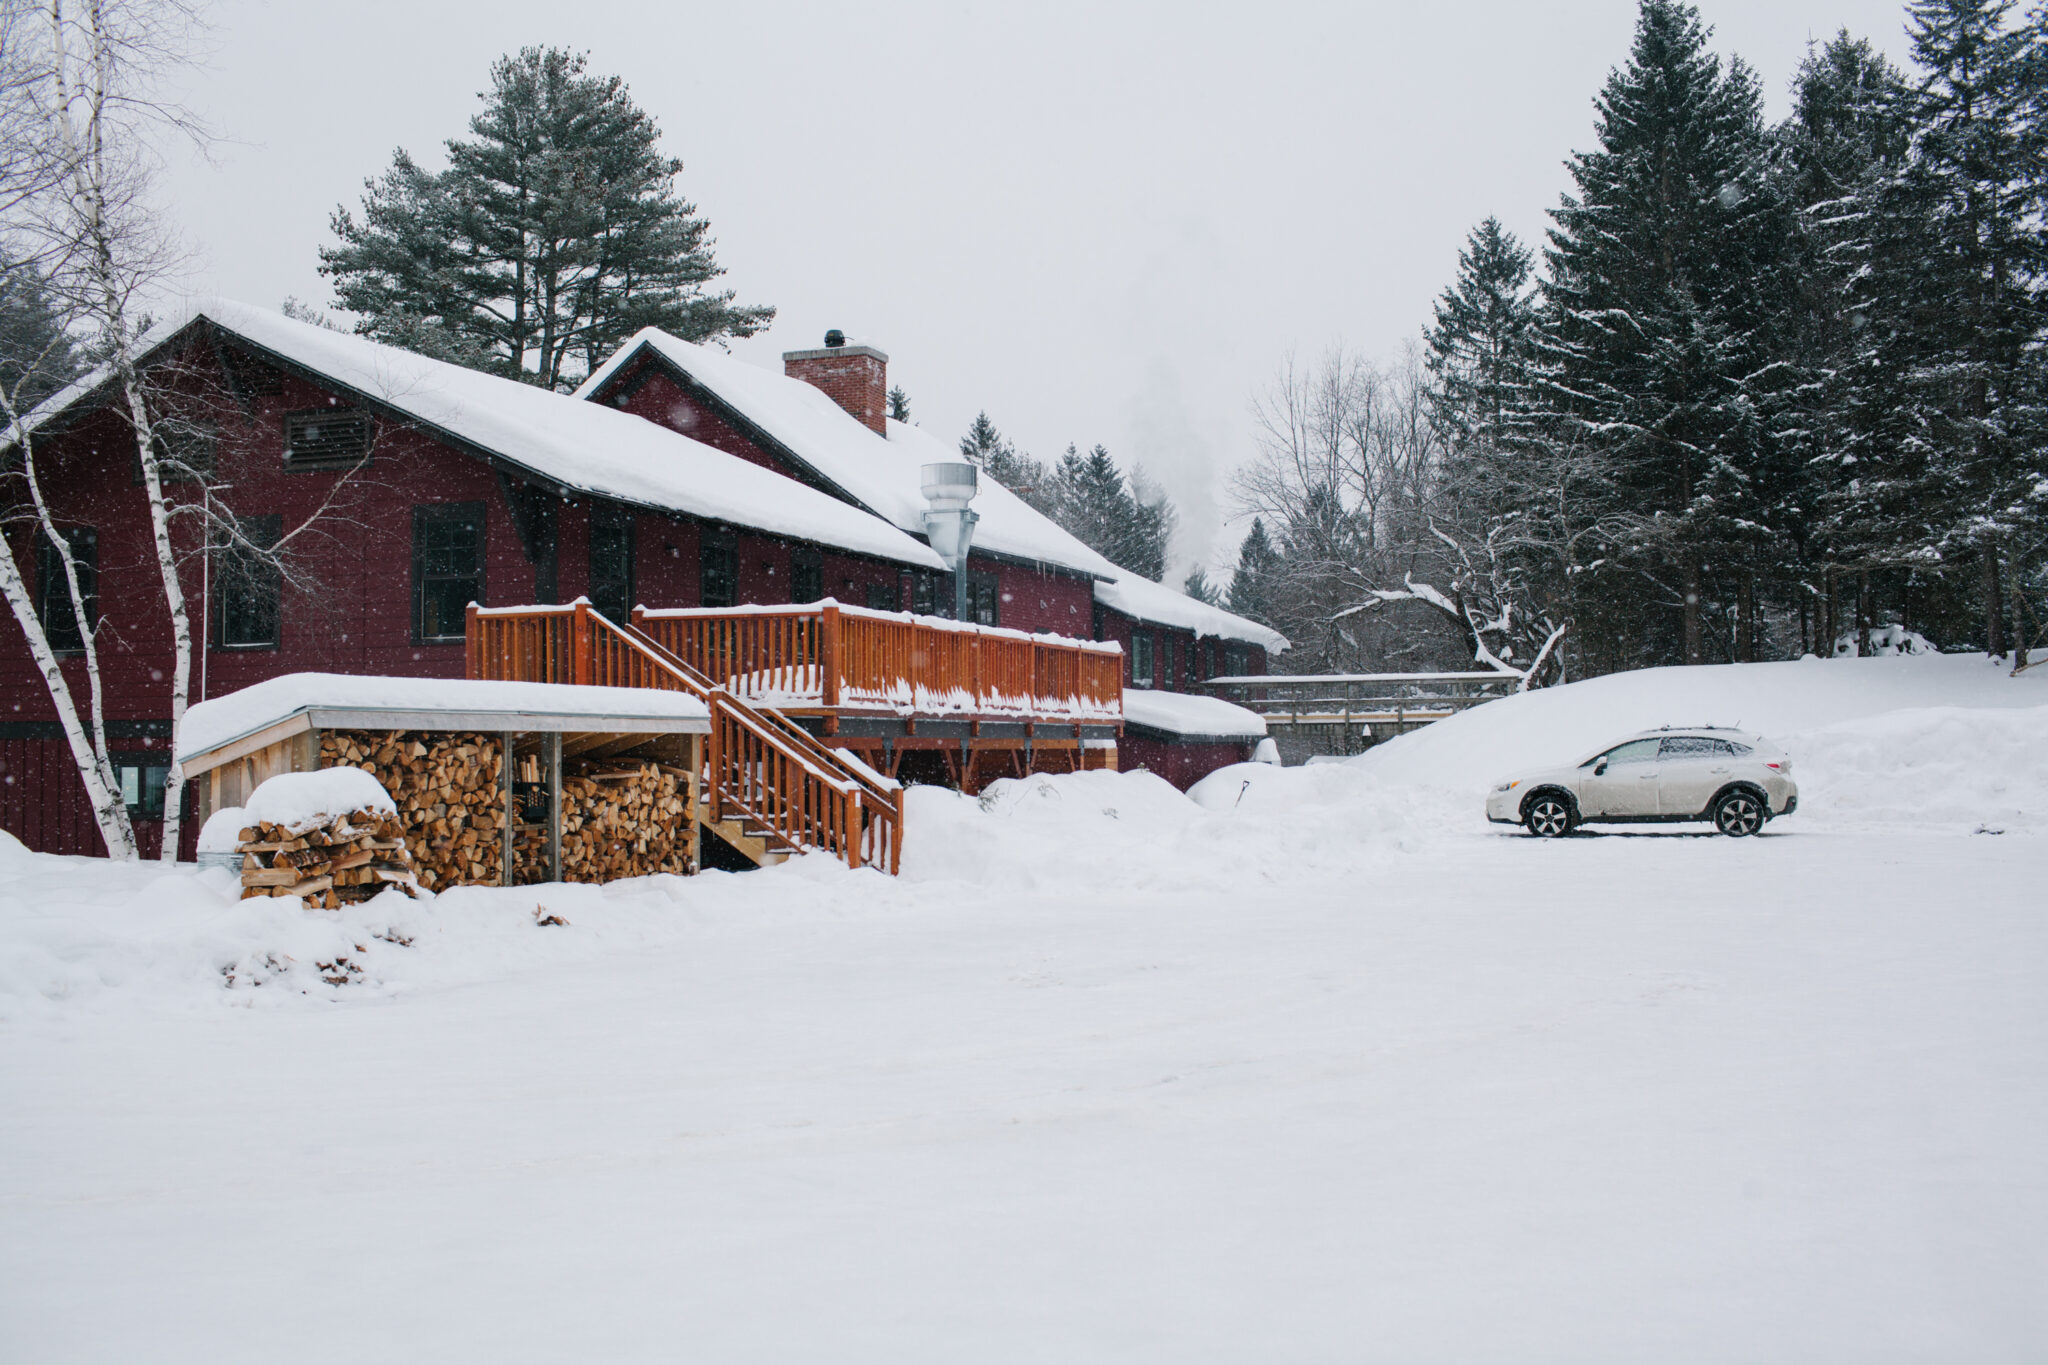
pixel 1738 814
pixel 1548 817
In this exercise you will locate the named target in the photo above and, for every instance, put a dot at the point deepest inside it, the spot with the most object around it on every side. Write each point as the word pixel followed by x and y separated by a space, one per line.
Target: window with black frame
pixel 142 784
pixel 884 597
pixel 984 600
pixel 54 606
pixel 806 573
pixel 718 568
pixel 447 568
pixel 247 585
pixel 1141 658
pixel 611 560
pixel 924 596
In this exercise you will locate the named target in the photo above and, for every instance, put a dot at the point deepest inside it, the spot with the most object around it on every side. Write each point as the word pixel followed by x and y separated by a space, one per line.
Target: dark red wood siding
pixel 1181 763
pixel 355 616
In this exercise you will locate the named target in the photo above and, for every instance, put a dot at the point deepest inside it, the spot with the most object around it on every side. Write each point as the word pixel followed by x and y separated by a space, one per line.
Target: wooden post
pixel 715 755
pixel 828 656
pixel 853 834
pixel 506 760
pixel 580 645
pixel 472 656
pixel 696 760
pixel 554 762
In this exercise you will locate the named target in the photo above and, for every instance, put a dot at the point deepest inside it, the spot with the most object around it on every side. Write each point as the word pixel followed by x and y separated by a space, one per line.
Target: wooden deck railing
pixel 838 657
pixel 760 767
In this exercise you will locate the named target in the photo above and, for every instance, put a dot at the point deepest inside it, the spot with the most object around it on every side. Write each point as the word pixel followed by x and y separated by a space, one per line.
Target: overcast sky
pixel 1100 222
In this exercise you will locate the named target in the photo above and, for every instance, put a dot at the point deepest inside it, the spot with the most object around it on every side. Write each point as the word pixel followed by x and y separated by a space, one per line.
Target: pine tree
pixel 1478 356
pixel 988 449
pixel 1657 321
pixel 899 404
pixel 37 357
pixel 1154 521
pixel 1129 524
pixel 1198 586
pixel 555 233
pixel 1846 141
pixel 1967 482
pixel 1258 568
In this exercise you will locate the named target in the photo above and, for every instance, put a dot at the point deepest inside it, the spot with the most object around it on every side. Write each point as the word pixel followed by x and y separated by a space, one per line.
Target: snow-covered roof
pixel 361 701
pixel 1135 595
pixel 885 476
pixel 881 474
pixel 579 446
pixel 1190 716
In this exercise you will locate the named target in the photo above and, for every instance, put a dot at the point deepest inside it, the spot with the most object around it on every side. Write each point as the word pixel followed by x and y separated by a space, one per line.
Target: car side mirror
pixel 1600 767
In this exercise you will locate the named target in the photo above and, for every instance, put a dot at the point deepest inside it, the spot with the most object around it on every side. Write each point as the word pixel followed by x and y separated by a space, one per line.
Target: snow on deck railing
pixel 847 610
pixel 826 654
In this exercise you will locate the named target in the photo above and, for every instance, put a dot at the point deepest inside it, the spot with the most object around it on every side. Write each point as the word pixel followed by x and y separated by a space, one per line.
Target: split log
pixel 333 863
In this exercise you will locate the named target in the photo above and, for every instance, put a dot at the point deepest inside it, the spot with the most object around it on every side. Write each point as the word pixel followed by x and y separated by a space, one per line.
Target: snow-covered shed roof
pixel 580 447
pixel 213 729
pixel 885 476
pixel 1190 716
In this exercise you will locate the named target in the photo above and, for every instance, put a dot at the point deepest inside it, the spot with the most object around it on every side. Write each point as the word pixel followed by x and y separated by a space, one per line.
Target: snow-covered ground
pixel 1313 1066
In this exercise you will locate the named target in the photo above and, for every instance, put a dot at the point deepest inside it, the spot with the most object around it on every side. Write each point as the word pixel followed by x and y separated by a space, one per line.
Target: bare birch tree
pixel 85 124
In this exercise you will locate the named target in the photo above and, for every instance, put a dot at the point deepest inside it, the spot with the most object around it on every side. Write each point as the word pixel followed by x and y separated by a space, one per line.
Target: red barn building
pixel 678 477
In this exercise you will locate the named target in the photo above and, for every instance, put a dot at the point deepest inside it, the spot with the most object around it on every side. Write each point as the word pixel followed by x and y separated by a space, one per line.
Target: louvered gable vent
pixel 327 438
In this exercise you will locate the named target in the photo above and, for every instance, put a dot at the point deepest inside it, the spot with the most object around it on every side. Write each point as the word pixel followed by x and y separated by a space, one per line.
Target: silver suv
pixel 1736 780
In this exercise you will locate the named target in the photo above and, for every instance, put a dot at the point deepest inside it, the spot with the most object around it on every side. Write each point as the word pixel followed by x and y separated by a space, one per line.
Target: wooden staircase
pixel 769 788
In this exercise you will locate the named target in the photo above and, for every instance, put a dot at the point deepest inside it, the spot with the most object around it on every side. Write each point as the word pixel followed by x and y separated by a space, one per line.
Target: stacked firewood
pixel 330 862
pixel 451 803
pixel 624 821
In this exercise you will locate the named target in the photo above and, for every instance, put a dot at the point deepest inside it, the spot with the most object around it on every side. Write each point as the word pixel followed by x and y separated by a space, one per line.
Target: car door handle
pixel 1717 770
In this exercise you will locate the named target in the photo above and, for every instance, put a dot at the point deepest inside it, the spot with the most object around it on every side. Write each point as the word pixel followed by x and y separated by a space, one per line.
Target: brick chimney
pixel 855 377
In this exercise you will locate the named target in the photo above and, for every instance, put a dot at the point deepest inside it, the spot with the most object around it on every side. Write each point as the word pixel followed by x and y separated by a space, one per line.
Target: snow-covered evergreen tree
pixel 989 450
pixel 1258 566
pixel 1198 586
pixel 555 233
pixel 1657 320
pixel 1479 345
pixel 1966 480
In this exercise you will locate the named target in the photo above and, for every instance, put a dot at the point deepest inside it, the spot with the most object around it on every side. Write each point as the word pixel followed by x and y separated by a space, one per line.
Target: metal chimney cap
pixel 835 338
pixel 952 482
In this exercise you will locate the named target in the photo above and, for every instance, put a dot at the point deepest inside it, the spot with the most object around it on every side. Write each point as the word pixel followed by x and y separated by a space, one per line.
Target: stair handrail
pixel 858 813
pixel 880 797
pixel 821 753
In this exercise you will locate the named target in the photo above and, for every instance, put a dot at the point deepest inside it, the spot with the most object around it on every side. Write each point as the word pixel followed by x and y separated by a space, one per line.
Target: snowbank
pixel 1939 767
